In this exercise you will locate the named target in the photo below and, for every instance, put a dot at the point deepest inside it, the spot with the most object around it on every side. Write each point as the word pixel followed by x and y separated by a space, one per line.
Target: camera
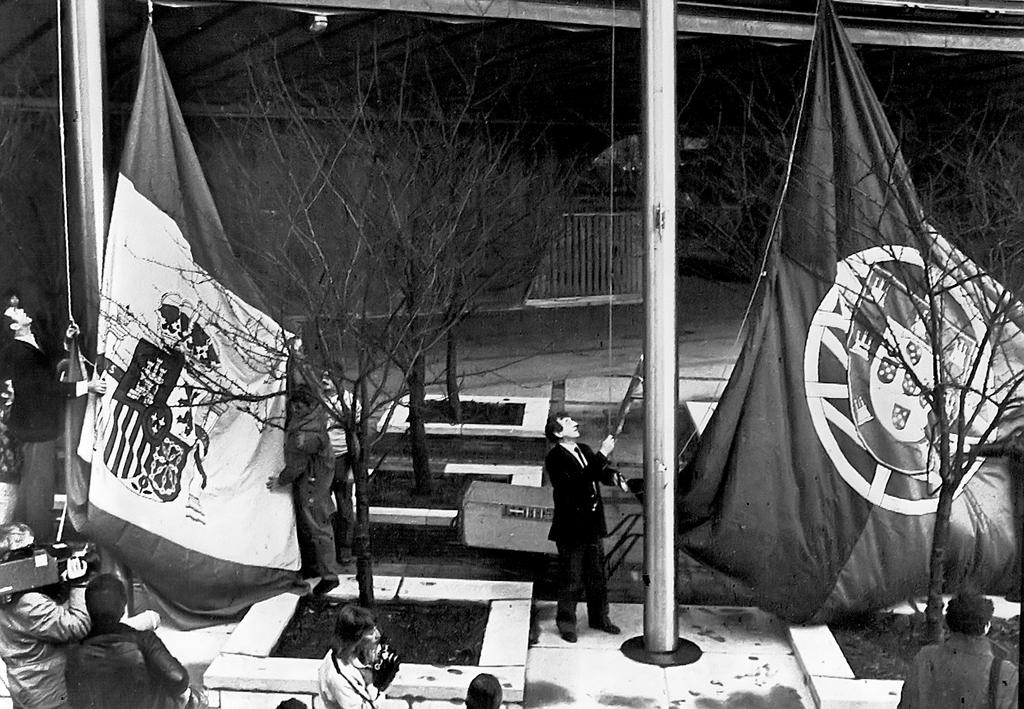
pixel 37 566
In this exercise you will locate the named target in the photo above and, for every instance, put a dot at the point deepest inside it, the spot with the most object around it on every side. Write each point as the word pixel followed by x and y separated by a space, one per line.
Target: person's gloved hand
pixel 607 446
pixel 386 667
pixel 76 569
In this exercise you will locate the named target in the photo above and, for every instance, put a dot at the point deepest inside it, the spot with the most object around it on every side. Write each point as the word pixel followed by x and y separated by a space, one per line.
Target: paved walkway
pixel 747 662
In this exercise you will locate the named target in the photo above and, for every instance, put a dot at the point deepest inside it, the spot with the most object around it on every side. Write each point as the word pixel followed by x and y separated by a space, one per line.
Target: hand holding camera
pixel 386 666
pixel 76 569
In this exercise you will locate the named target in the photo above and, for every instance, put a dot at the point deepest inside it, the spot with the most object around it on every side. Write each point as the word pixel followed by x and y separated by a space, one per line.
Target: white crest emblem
pixel 868 362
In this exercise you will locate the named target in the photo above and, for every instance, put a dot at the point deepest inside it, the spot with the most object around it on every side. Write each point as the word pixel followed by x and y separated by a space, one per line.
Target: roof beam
pixel 693 18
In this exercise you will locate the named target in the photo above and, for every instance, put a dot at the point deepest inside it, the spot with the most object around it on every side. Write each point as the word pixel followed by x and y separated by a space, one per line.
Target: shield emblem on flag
pixel 139 447
pixel 867 362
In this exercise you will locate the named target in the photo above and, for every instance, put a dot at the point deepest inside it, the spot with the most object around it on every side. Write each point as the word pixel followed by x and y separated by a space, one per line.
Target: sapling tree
pixel 376 232
pixel 936 357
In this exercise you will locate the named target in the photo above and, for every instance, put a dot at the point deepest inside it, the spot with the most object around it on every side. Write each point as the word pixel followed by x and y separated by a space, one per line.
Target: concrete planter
pixel 829 675
pixel 244 676
pixel 532 426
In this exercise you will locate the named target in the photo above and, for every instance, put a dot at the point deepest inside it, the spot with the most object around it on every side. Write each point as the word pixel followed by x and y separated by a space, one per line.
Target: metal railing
pixel 593 255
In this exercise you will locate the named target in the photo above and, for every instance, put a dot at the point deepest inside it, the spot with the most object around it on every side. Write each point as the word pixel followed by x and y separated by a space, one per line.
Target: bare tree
pixel 379 232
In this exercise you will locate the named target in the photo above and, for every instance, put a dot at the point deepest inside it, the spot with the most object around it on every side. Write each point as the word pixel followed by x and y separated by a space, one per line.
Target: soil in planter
pixel 882 645
pixel 428 633
pixel 394 488
pixel 494 413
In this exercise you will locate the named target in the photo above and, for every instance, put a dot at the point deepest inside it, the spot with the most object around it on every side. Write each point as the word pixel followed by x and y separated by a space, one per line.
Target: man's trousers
pixel 581 572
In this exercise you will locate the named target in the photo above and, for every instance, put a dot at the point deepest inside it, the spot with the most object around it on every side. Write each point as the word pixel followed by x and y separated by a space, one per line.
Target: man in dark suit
pixel 36 417
pixel 578 526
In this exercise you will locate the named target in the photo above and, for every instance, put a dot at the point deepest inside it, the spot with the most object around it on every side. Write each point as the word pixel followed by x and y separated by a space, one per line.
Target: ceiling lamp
pixel 318 24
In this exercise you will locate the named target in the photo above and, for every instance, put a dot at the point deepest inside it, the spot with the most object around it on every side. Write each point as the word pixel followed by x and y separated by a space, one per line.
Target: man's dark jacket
pixel 117 667
pixel 579 510
pixel 36 414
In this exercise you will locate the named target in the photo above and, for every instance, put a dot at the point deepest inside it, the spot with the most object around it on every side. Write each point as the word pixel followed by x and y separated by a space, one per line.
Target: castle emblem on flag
pixel 140 449
pixel 868 367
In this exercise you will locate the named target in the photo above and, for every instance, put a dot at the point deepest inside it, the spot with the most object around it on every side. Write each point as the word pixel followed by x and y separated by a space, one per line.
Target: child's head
pixel 356 633
pixel 105 599
pixel 969 613
pixel 484 692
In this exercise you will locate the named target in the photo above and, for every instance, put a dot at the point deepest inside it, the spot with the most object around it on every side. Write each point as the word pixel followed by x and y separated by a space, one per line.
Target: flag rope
pixel 801 114
pixel 61 130
pixel 611 210
pixel 762 270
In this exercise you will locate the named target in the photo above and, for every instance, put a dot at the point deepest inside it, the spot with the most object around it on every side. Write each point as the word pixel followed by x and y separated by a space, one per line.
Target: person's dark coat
pixel 39 396
pixel 579 509
pixel 118 667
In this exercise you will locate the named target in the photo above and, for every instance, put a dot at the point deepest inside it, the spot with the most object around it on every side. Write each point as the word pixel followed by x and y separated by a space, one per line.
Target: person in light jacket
pixel 347 676
pixel 965 671
pixel 35 628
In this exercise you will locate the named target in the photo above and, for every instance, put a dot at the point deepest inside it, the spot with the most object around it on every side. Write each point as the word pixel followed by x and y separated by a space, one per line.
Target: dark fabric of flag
pixel 808 486
pixel 181 192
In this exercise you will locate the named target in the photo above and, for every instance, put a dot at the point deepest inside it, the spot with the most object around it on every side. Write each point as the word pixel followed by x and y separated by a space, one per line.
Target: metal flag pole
pixel 661 643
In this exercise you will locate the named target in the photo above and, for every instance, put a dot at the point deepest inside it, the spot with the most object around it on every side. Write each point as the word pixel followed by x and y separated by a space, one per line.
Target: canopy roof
pixel 546 62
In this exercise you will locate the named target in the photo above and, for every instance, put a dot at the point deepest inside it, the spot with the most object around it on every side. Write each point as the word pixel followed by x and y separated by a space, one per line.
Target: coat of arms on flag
pixel 868 360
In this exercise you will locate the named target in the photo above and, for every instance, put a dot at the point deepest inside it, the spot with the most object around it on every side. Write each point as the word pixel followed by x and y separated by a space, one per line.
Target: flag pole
pixel 661 643
pixel 85 93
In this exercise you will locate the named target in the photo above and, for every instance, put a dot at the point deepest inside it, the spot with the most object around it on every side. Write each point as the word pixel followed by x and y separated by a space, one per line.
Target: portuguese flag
pixel 816 484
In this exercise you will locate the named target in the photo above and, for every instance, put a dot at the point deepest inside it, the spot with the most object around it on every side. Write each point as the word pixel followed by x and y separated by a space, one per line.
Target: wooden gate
pixel 595 256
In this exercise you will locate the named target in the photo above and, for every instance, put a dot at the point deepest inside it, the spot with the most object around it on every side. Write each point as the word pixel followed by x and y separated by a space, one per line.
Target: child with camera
pixel 360 666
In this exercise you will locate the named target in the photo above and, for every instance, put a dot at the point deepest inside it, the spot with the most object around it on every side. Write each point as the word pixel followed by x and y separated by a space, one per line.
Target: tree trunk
pixel 937 565
pixel 452 375
pixel 357 437
pixel 417 432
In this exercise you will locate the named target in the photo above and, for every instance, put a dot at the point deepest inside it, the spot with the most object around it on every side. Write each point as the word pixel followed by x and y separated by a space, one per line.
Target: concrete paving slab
pixel 628 616
pixel 841 693
pixel 729 677
pixel 430 589
pixel 508 620
pixel 196 649
pixel 818 652
pixel 608 390
pixel 700 412
pixel 590 678
pixel 384 587
pixel 745 650
pixel 414 516
pixel 612 388
pixel 733 629
pixel 259 630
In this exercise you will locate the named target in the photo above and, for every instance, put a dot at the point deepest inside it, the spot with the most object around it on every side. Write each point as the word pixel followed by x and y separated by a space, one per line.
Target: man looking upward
pixel 578 526
pixel 36 416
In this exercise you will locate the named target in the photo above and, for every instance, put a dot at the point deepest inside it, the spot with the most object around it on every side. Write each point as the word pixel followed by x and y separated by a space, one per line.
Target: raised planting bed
pixel 393 500
pixel 247 675
pixel 882 645
pixel 396 488
pixel 511 416
pixel 514 433
pixel 476 412
pixel 424 632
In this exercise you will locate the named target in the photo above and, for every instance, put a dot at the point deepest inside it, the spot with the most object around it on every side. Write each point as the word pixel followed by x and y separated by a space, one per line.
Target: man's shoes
pixel 569 636
pixel 326 584
pixel 607 626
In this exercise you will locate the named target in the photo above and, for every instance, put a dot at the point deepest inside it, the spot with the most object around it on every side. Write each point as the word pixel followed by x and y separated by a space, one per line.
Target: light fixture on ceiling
pixel 318 24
